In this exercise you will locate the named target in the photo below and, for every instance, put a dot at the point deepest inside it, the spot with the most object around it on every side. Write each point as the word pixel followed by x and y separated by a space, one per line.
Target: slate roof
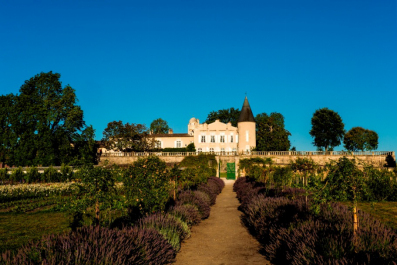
pixel 246 113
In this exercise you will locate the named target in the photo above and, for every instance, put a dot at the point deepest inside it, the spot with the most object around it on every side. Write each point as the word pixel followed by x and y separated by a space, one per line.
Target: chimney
pixel 170 131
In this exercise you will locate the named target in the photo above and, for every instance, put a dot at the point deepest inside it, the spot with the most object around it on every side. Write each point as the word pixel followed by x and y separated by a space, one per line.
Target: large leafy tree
pixel 327 128
pixel 362 139
pixel 7 134
pixel 271 134
pixel 159 126
pixel 225 116
pixel 44 122
pixel 127 137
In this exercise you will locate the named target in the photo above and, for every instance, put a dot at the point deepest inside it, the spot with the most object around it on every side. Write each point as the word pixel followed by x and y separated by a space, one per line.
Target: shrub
pixel 96 246
pixel 187 213
pixel 147 185
pixel 17 175
pixel 66 172
pixel 4 174
pixel 171 229
pixel 197 199
pixel 292 234
pixel 50 175
pixel 32 175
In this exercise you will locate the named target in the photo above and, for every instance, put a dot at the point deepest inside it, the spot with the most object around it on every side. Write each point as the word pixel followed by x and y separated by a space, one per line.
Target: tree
pixel 43 122
pixel 96 192
pixel 159 126
pixel 271 134
pixel 7 136
pixel 327 128
pixel 362 139
pixel 305 166
pixel 127 137
pixel 344 181
pixel 225 116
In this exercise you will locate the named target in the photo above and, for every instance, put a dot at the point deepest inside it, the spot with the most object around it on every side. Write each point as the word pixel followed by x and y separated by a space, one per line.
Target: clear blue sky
pixel 137 61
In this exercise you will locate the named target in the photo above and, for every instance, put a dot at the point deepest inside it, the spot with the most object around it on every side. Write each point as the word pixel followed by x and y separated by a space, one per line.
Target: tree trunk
pixel 355 219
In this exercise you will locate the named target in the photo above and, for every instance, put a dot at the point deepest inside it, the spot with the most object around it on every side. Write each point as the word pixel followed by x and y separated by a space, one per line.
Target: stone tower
pixel 246 129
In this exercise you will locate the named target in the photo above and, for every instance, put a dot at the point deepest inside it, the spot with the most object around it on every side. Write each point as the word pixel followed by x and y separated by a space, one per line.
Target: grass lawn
pixel 18 229
pixel 223 175
pixel 386 212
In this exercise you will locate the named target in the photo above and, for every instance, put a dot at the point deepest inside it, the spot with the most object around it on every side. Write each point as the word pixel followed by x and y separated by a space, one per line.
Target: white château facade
pixel 216 136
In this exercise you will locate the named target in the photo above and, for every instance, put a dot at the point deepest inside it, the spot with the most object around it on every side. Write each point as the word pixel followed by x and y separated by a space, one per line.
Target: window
pixel 233 149
pixel 211 150
pixel 232 138
pixel 223 151
pixel 203 139
pixel 178 144
pixel 199 150
pixel 222 139
pixel 212 139
pixel 158 144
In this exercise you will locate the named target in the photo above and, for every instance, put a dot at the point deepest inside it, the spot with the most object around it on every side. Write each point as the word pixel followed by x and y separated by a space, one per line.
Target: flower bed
pixel 291 234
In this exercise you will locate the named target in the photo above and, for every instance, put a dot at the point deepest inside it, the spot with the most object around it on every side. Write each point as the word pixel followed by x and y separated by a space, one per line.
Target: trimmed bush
pixel 187 213
pixel 197 199
pixel 96 246
pixel 168 226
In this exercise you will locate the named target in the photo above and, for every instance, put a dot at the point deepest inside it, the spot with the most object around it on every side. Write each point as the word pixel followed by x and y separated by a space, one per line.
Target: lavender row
pixel 290 233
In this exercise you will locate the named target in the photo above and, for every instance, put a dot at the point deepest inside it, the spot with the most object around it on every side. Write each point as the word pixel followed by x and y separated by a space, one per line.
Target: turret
pixel 246 128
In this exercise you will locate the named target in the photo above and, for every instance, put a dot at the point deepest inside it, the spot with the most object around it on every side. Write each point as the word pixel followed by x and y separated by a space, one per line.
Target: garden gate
pixel 230 170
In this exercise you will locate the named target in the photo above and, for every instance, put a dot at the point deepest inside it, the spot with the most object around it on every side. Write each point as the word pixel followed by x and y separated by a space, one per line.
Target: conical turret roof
pixel 246 113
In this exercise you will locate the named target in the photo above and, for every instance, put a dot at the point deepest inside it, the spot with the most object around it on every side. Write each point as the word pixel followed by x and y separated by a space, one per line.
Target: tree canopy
pixel 159 126
pixel 225 116
pixel 271 134
pixel 127 137
pixel 327 128
pixel 362 139
pixel 43 123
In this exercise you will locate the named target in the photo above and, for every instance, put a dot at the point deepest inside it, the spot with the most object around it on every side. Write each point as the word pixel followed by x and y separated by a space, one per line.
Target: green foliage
pixel 66 172
pixel 17 175
pixel 344 182
pixel 127 137
pixel 191 147
pixel 327 128
pixel 147 185
pixel 4 174
pixel 32 175
pixel 96 192
pixel 174 150
pixel 271 134
pixel 381 184
pixel 159 126
pixel 50 175
pixel 362 139
pixel 224 115
pixel 42 123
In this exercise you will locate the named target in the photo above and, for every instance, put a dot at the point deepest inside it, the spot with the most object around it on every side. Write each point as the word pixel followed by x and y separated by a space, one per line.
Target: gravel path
pixel 221 239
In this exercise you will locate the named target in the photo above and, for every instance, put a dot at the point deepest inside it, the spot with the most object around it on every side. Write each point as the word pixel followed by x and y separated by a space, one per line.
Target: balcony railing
pixel 252 153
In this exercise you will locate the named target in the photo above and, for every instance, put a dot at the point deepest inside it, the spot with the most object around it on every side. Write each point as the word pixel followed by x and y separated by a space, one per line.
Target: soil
pixel 221 239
